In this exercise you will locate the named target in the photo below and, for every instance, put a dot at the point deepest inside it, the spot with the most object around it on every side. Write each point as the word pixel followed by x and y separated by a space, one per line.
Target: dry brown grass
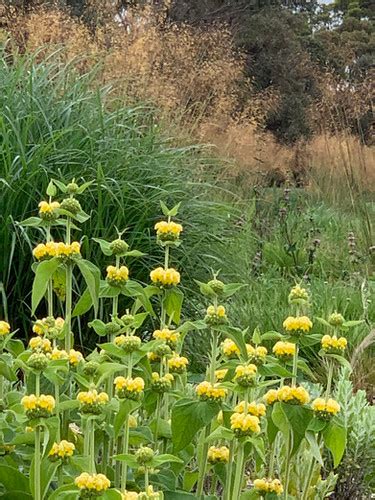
pixel 185 71
pixel 195 77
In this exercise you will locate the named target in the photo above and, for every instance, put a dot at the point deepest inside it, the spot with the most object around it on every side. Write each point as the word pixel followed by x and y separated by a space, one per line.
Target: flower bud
pixel 336 319
pixel 90 368
pixel 216 286
pixel 72 205
pixel 118 247
pixel 72 188
pixel 128 344
pixel 112 328
pixel 127 319
pixel 38 361
pixel 144 455
pixel 163 350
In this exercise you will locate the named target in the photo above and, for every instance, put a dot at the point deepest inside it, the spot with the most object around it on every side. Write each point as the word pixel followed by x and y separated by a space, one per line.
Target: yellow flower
pixel 74 357
pixel 152 356
pixel 117 276
pixel 38 406
pixel 213 392
pixel 297 325
pixel 48 208
pixel 257 354
pixel 64 449
pixel 91 402
pixel 218 454
pixel 40 344
pixel 325 409
pixel 29 402
pixel 40 251
pixel 57 354
pixel 171 337
pixel 253 408
pixel 92 482
pixel 165 277
pixel 168 231
pixel 334 344
pixel 130 388
pixel 229 348
pixel 244 424
pixel 298 295
pixel 215 315
pixel 267 485
pixel 220 374
pixel 293 395
pixel 271 396
pixel 4 328
pixel 178 364
pixel 284 350
pixel 245 375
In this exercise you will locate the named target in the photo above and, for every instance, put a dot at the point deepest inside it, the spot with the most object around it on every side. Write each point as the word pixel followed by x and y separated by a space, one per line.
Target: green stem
pixel 68 306
pixel 50 286
pixel 228 482
pixel 295 367
pixel 203 460
pixel 166 257
pixel 157 418
pixel 57 400
pixel 68 298
pixel 329 379
pixel 60 475
pixel 125 449
pixel 105 456
pixel 37 462
pixel 92 445
pixel 146 478
pixel 37 384
pixel 287 467
pixel 238 475
pixel 272 458
pixel 118 465
pixel 305 493
pixel 86 438
pixel 213 356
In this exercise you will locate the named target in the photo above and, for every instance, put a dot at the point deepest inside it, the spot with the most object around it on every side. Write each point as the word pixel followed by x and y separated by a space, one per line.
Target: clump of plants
pixel 128 420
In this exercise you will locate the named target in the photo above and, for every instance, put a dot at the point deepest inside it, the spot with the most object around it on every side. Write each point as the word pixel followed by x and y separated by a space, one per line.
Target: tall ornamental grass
pixel 56 123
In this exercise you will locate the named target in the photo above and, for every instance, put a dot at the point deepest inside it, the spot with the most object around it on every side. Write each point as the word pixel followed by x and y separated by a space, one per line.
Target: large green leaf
pixel 334 436
pixel 83 305
pixel 173 304
pixel 66 492
pixel 126 407
pixel 13 480
pixel 43 274
pixel 91 275
pixel 294 419
pixel 47 472
pixel 188 417
pixel 237 336
pixel 6 368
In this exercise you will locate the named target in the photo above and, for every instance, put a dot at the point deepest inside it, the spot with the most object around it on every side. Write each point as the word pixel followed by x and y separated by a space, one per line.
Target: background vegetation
pixel 284 192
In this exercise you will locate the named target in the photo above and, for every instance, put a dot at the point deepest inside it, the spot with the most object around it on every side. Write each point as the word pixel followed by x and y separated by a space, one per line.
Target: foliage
pixel 356 472
pixel 130 415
